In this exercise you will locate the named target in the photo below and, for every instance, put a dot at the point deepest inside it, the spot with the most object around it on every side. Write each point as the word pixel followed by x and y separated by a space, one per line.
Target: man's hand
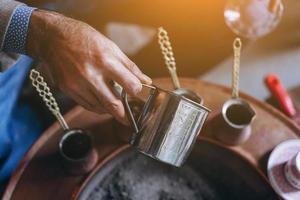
pixel 82 62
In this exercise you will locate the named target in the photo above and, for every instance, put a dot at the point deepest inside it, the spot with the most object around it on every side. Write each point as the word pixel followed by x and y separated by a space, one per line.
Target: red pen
pixel 279 92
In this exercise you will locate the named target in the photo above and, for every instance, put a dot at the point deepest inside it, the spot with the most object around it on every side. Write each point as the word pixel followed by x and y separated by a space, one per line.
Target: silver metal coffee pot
pixel 168 125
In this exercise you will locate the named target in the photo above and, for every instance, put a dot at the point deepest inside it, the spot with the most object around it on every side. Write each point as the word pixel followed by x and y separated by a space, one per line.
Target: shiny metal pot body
pixel 168 126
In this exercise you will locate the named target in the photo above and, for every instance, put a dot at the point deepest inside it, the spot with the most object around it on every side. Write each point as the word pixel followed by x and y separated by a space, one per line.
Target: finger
pixel 119 73
pixel 106 98
pixel 132 67
pixel 86 100
pixel 82 102
pixel 77 98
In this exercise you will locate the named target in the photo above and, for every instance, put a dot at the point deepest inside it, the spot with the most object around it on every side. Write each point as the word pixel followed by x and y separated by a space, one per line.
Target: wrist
pixel 41 28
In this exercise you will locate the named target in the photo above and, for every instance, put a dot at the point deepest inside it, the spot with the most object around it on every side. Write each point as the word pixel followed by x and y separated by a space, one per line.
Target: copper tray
pixel 39 175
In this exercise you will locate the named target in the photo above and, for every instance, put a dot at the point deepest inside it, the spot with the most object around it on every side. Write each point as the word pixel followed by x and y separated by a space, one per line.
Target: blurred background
pixel 201 41
pixel 197 30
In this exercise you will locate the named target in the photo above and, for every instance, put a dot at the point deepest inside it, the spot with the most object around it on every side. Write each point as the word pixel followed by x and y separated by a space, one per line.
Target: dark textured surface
pixel 133 176
pixel 152 180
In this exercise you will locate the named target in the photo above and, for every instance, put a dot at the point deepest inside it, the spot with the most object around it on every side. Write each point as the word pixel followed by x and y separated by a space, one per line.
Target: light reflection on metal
pixel 168 125
pixel 253 19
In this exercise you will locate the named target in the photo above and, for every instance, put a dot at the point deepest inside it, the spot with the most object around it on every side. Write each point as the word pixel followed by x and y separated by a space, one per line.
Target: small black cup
pixel 77 152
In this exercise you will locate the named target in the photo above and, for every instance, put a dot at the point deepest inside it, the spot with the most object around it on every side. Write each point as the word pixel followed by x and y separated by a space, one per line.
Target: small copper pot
pixel 233 125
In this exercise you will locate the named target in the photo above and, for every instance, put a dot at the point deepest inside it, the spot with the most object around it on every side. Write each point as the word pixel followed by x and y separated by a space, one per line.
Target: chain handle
pixel 237 46
pixel 44 92
pixel 167 51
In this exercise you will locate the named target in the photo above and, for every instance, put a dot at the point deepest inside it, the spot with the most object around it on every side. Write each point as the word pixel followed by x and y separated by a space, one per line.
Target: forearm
pixel 37 40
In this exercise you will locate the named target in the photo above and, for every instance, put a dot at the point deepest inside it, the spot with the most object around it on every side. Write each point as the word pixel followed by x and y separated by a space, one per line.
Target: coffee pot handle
pixel 128 109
